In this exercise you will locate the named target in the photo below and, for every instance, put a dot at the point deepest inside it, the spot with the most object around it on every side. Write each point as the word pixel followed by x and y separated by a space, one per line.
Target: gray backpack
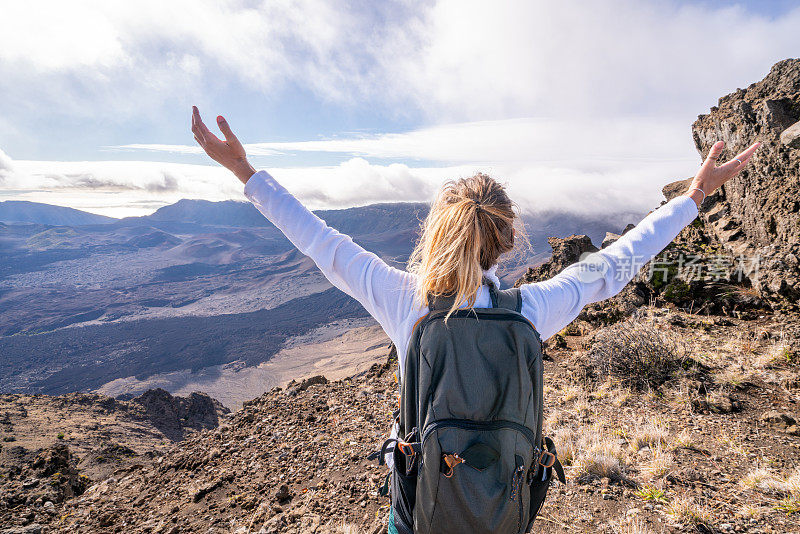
pixel 471 457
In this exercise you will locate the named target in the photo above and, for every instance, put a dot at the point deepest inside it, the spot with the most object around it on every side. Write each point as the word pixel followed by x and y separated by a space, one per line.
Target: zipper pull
pixel 516 482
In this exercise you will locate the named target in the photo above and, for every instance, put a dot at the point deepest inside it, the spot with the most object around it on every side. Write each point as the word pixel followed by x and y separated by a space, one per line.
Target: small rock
pixel 782 420
pixel 609 239
pixel 791 136
pixel 283 493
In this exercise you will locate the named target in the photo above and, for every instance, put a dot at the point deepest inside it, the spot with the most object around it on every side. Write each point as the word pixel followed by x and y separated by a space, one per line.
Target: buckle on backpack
pixel 547 459
pixel 406 448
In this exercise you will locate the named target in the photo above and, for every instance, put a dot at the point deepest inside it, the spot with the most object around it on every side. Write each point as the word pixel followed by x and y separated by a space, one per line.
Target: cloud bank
pixel 580 106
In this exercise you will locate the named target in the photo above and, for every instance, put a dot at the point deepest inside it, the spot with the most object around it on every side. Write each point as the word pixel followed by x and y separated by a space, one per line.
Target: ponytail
pixel 469 226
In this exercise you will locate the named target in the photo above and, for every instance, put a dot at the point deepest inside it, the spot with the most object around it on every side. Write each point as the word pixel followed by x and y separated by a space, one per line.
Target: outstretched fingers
pixel 200 130
pixel 198 135
pixel 740 161
pixel 713 154
pixel 226 129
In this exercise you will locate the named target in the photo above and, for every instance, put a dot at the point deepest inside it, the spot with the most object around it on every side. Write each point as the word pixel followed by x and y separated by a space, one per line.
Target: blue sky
pixel 578 106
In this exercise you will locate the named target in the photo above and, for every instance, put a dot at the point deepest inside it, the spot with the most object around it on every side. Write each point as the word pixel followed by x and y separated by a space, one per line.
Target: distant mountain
pixel 22 211
pixel 194 287
pixel 378 218
pixel 224 213
pixel 374 218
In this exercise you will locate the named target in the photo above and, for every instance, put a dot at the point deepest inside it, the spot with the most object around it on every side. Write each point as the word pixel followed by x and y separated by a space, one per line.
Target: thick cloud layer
pixel 577 105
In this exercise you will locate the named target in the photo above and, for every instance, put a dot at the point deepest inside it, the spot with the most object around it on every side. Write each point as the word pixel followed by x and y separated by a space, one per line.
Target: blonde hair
pixel 470 224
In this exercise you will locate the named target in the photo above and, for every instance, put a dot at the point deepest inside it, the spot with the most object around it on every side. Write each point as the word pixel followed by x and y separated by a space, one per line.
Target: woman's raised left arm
pixel 552 304
pixel 385 292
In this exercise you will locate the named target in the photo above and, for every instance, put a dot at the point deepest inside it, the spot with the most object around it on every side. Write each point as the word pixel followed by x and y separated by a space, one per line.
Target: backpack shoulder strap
pixel 510 299
pixel 440 302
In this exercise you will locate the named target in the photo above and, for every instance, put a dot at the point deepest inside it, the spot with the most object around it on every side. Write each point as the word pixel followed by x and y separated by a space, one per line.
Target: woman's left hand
pixel 229 153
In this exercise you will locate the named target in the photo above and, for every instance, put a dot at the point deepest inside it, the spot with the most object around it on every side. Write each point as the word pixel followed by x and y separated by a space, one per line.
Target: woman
pixel 469 227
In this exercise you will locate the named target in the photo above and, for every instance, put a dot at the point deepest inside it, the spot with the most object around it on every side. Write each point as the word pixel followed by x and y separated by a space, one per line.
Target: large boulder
pixel 757 214
pixel 173 414
pixel 566 251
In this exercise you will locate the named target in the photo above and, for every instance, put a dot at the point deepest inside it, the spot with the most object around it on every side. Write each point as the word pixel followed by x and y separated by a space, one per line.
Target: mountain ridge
pixel 23 211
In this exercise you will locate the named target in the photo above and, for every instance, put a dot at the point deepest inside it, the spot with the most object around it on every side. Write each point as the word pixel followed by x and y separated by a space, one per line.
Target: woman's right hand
pixel 710 176
pixel 229 153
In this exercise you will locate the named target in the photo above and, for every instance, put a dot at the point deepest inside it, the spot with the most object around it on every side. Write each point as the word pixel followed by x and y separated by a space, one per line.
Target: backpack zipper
pixel 466 424
pixel 516 495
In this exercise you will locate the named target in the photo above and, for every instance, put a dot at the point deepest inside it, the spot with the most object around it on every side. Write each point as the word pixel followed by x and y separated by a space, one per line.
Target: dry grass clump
pixel 660 464
pixel 735 377
pixel 684 440
pixel 650 435
pixel 637 354
pixel 566 442
pixel 573 392
pixel 634 526
pixel 590 453
pixel 748 511
pixel 596 451
pixel 734 445
pixel 762 480
pixel 781 352
pixel 790 505
pixel 609 393
pixel 598 463
pixel 766 482
pixel 688 511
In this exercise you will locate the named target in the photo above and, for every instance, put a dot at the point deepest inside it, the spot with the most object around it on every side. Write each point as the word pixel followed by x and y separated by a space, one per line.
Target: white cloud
pixel 570 165
pixel 456 60
pixel 582 105
pixel 6 165
pixel 121 188
pixel 80 57
pixel 476 60
pixel 115 188
pixel 576 142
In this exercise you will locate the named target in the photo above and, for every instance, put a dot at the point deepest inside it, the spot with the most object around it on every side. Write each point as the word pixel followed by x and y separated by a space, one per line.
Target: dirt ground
pixel 715 448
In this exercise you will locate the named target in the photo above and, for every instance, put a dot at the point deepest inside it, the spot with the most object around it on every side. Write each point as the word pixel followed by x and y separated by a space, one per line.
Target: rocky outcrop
pixel 757 213
pixel 566 251
pixel 669 280
pixel 173 414
pixel 52 448
pixel 569 250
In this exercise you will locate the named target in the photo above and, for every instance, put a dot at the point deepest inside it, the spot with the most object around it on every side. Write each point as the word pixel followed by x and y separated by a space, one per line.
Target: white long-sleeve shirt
pixel 388 294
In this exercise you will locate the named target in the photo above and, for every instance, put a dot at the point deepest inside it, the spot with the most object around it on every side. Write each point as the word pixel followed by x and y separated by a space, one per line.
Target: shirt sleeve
pixel 552 304
pixel 385 292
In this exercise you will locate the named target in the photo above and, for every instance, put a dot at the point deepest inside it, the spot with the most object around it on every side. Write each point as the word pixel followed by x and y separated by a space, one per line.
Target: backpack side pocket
pixel 404 491
pixel 539 485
